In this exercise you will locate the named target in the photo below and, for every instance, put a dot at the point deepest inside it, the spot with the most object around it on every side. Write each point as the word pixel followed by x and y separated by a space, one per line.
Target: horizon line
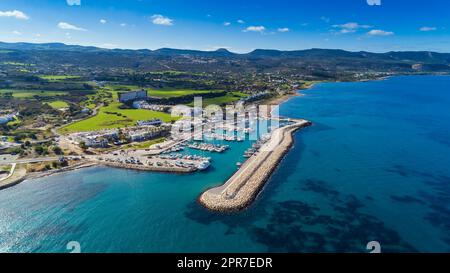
pixel 223 48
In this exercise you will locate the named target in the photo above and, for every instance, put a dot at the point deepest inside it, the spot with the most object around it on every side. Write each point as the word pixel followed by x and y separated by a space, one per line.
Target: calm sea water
pixel 375 166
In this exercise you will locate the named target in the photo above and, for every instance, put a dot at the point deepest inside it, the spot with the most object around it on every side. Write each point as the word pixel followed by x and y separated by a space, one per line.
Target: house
pixel 152 122
pixel 96 142
pixel 99 139
pixel 142 135
pixel 146 133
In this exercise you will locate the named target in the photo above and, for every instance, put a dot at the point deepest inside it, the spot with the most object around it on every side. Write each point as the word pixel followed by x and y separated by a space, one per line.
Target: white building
pixel 151 122
pixel 96 142
pixel 134 95
pixel 140 104
pixel 97 139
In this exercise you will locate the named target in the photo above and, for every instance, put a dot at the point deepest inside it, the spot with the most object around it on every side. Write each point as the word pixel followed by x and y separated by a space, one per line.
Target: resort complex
pixel 249 127
pixel 157 140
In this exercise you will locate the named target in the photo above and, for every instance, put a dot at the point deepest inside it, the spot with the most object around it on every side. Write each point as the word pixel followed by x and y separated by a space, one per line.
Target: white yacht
pixel 203 165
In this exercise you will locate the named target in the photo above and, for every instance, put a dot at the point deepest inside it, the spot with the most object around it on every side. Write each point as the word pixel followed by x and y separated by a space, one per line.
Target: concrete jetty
pixel 164 169
pixel 243 187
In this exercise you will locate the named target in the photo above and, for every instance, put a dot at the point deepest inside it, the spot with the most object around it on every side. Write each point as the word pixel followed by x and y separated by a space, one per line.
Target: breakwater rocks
pixel 243 187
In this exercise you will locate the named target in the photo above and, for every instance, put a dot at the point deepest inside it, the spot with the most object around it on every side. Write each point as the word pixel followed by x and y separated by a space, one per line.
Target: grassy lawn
pixel 159 93
pixel 112 116
pixel 56 78
pixel 172 93
pixel 58 104
pixel 6 168
pixel 14 122
pixel 226 99
pixel 23 94
pixel 145 144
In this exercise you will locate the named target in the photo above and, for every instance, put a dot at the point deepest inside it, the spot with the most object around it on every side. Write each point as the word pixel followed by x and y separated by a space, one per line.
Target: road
pixel 29 160
pixel 11 172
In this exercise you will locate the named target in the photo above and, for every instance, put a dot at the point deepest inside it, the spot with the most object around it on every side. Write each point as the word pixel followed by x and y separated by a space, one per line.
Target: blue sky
pixel 239 26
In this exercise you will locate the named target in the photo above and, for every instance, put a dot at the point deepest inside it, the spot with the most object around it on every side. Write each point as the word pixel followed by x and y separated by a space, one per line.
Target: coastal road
pixel 11 172
pixel 28 160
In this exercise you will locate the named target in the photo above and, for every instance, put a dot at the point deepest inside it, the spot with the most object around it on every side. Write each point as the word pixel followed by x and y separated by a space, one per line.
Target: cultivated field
pixel 58 104
pixel 112 116
pixel 26 94
pixel 173 93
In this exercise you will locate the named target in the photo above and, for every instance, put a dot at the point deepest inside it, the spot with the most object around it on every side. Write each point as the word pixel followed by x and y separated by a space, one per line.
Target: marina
pixel 208 147
pixel 243 187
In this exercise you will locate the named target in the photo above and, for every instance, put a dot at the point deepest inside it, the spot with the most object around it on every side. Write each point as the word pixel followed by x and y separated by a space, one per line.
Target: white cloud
pixel 284 29
pixel 351 27
pixel 159 19
pixel 378 32
pixel 73 2
pixel 347 30
pixel 241 21
pixel 226 24
pixel 67 26
pixel 123 25
pixel 260 29
pixel 14 14
pixel 428 29
pixel 16 32
pixel 325 19
pixel 103 21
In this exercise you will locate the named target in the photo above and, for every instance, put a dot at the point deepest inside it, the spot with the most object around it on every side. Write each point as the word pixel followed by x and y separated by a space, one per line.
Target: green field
pixel 56 78
pixel 58 104
pixel 23 94
pixel 173 93
pixel 159 93
pixel 6 168
pixel 112 116
pixel 226 99
pixel 145 144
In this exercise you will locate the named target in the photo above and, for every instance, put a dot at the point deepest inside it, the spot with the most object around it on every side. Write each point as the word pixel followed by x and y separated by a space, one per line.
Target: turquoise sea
pixel 375 166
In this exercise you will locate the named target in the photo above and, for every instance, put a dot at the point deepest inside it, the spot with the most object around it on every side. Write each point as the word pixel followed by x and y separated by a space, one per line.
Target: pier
pixel 243 187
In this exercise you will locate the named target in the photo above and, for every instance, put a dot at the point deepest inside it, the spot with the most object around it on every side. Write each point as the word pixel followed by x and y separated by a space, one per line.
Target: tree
pixel 41 150
pixel 83 145
pixel 57 150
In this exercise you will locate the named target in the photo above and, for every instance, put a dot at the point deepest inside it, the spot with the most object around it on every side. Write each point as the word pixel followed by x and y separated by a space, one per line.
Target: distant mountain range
pixel 262 60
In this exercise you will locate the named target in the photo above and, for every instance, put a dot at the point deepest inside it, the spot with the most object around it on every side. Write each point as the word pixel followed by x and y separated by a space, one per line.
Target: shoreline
pixel 22 175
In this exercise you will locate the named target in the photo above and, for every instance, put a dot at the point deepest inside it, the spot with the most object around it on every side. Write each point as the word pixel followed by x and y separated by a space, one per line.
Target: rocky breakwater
pixel 243 187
